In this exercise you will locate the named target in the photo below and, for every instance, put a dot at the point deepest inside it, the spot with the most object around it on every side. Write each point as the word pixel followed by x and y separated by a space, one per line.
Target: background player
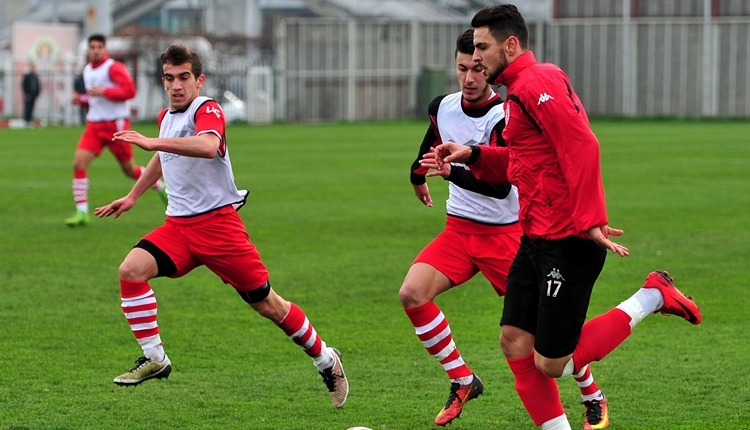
pixel 482 232
pixel 202 227
pixel 108 87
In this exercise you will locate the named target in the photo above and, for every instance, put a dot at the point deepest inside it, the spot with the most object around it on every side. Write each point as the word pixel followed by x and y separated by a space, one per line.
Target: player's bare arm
pixel 150 175
pixel 601 234
pixel 202 146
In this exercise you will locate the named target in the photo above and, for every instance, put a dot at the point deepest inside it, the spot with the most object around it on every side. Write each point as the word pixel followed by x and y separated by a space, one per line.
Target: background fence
pixel 334 69
pixel 354 70
pixel 677 67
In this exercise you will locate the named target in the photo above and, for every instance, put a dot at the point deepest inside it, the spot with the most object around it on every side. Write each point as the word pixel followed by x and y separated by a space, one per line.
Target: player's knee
pixel 515 342
pixel 548 367
pixel 130 271
pixel 411 295
pixel 257 295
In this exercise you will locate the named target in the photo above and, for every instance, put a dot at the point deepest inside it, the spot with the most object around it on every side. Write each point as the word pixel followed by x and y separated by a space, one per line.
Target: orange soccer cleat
pixel 675 303
pixel 459 395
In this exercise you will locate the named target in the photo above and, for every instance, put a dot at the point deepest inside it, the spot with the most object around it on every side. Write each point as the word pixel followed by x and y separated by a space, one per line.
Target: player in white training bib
pixel 202 228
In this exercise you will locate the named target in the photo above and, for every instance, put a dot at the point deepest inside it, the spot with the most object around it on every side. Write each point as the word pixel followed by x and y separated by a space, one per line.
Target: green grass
pixel 336 222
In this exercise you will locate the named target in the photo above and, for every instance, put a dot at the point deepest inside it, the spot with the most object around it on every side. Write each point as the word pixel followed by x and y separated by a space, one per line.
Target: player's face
pixel 96 51
pixel 489 53
pixel 181 85
pixel 474 86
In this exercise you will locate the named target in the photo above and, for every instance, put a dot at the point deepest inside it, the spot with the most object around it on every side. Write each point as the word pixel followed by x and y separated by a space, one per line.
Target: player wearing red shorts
pixel 482 232
pixel 202 228
pixel 108 88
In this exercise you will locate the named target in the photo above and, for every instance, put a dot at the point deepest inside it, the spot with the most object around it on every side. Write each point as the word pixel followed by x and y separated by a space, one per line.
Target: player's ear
pixel 201 79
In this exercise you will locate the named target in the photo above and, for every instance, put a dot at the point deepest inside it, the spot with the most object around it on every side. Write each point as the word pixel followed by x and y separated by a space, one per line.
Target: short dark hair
pixel 179 54
pixel 503 20
pixel 465 43
pixel 98 38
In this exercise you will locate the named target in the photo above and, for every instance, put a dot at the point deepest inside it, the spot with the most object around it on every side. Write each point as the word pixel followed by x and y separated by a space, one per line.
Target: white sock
pixel 325 359
pixel 466 380
pixel 158 185
pixel 82 207
pixel 642 304
pixel 559 423
pixel 569 368
pixel 155 353
pixel 596 396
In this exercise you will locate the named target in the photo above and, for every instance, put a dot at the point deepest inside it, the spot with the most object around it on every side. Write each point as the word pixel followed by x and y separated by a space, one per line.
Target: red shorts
pixel 98 134
pixel 217 240
pixel 465 248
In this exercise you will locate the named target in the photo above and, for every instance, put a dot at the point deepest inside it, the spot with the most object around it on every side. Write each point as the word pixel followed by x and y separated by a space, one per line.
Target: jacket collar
pixel 514 68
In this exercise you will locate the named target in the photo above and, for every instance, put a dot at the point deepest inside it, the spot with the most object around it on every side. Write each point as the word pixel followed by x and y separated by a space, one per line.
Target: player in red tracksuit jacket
pixel 553 158
pixel 481 234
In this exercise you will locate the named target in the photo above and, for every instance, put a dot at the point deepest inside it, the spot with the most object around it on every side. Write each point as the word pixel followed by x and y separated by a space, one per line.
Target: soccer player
pixel 552 156
pixel 482 232
pixel 202 227
pixel 108 88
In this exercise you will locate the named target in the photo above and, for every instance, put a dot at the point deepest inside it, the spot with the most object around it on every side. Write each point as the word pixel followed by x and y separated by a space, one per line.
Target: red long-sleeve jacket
pixel 552 154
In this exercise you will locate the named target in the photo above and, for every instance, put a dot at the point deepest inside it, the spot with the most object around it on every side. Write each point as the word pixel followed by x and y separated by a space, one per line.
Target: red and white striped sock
pixel 81 190
pixel 433 330
pixel 139 307
pixel 589 389
pixel 138 171
pixel 299 329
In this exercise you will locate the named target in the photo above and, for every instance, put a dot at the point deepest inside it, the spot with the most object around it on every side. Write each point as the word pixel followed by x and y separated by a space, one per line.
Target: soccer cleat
pixel 675 303
pixel 145 369
pixel 459 395
pixel 81 218
pixel 597 414
pixel 335 379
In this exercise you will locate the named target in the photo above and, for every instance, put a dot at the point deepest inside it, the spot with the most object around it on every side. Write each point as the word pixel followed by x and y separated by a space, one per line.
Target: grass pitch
pixel 335 219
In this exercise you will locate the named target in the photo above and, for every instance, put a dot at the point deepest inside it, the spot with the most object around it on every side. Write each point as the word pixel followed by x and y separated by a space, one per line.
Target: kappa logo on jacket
pixel 543 98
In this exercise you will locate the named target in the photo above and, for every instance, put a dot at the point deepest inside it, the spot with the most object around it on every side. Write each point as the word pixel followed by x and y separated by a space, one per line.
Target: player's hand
pixel 601 234
pixel 423 194
pixel 452 152
pixel 95 91
pixel 135 138
pixel 115 208
pixel 430 161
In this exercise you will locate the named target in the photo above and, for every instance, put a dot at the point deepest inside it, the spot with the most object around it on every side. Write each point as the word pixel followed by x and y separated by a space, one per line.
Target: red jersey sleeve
pixel 160 117
pixel 125 89
pixel 565 125
pixel 209 118
pixel 492 164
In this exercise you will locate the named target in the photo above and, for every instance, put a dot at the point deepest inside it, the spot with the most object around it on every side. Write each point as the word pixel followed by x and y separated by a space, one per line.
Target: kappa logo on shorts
pixel 555 274
pixel 553 287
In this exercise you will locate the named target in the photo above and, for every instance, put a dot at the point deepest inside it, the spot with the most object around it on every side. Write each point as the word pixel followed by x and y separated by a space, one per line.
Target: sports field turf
pixel 335 219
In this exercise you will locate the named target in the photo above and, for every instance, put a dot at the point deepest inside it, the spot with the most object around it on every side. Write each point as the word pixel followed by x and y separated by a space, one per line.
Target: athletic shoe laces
pixel 140 363
pixel 593 411
pixel 453 394
pixel 328 378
